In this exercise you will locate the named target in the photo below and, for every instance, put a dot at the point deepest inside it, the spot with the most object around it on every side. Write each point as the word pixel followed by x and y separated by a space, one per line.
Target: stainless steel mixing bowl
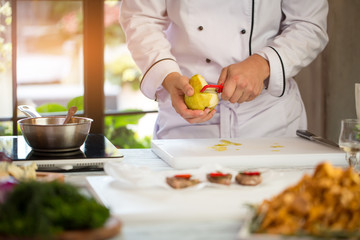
pixel 49 134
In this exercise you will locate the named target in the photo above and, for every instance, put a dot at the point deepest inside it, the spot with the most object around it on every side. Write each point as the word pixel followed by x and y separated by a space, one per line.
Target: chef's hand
pixel 244 81
pixel 177 86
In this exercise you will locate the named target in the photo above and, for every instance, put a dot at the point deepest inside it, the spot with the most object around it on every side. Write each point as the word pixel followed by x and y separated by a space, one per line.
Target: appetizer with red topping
pixel 181 181
pixel 219 178
pixel 248 178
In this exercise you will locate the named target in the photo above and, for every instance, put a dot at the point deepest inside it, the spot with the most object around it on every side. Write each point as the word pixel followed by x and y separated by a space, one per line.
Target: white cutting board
pixel 251 153
pixel 162 205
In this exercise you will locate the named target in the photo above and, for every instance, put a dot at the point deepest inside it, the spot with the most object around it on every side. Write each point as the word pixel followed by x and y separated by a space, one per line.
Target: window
pixel 6 90
pixel 55 54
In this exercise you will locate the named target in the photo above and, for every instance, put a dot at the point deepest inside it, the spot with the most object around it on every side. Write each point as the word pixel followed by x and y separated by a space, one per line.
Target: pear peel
pixel 200 101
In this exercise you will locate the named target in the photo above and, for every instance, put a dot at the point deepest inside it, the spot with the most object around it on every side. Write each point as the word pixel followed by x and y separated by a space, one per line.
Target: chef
pixel 253 47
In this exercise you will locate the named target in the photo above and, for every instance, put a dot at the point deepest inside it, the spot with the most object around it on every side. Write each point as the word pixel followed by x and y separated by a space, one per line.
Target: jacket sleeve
pixel 302 37
pixel 144 23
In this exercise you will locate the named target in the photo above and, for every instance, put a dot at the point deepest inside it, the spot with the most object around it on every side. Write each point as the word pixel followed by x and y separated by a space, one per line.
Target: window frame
pixel 94 76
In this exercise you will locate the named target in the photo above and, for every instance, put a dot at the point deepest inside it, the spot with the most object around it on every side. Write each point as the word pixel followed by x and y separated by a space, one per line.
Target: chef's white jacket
pixel 204 36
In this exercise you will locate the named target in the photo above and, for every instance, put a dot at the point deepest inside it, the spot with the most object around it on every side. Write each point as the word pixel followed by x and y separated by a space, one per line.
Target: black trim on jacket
pixel 152 65
pixel 283 70
pixel 252 26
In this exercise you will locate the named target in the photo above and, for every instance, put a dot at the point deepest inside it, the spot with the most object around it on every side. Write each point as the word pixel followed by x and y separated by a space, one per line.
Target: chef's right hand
pixel 178 85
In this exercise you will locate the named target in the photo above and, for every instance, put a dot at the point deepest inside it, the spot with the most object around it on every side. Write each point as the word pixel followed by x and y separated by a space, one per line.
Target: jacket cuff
pixel 277 79
pixel 155 75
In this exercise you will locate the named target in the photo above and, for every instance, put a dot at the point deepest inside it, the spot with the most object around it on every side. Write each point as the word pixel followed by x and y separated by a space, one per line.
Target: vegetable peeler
pixel 211 88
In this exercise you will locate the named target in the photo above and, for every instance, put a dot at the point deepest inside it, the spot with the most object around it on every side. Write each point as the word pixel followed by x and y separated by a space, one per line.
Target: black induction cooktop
pixel 96 150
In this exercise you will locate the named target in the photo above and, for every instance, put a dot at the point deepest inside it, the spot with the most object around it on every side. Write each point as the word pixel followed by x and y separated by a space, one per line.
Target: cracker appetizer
pixel 248 178
pixel 219 178
pixel 181 181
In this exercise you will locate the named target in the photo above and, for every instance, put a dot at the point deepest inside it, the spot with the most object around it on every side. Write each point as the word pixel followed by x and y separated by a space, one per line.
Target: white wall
pixel 327 85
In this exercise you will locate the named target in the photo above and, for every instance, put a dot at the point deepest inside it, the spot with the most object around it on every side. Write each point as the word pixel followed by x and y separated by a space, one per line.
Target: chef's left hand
pixel 244 81
pixel 178 85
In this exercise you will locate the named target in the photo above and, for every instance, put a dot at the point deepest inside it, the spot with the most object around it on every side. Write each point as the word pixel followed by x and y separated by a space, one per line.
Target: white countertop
pixel 192 228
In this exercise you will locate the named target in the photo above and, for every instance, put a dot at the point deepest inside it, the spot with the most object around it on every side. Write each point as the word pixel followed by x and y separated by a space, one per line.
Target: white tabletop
pixel 208 229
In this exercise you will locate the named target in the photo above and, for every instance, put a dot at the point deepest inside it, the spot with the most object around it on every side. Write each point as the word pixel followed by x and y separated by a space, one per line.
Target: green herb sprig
pixel 43 209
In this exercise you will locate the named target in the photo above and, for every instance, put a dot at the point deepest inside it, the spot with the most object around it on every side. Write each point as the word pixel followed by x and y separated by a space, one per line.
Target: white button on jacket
pixel 204 36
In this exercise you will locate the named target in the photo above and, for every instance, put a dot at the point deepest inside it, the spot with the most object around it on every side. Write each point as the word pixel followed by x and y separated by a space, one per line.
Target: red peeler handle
pixel 218 87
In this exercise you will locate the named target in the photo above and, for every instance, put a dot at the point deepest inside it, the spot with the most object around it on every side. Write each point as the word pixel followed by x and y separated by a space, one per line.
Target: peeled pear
pixel 200 101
